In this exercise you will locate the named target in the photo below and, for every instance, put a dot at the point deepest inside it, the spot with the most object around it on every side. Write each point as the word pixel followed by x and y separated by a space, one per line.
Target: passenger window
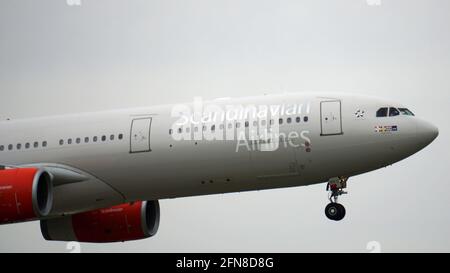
pixel 27 145
pixel 280 121
pixel 298 119
pixel 44 144
pixel 36 144
pixel 78 140
pixel 170 131
pixel 121 136
pixel 289 120
pixel 10 147
pixel 305 119
pixel 61 142
pixel 2 148
pixel 86 140
pixel 382 112
pixel 111 137
pixel 393 112
pixel 103 138
pixel 94 139
pixel 19 146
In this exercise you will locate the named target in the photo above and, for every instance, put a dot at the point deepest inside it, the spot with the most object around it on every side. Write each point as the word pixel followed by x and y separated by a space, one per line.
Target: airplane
pixel 98 177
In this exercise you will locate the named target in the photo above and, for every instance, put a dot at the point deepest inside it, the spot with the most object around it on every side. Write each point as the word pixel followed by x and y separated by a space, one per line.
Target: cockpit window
pixel 382 112
pixel 406 112
pixel 393 112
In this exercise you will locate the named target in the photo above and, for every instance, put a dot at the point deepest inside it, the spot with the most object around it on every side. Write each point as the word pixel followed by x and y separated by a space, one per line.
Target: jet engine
pixel 127 222
pixel 25 194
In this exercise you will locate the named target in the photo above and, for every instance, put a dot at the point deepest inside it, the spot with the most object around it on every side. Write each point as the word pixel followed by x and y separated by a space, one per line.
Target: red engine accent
pixel 122 223
pixel 25 194
pixel 119 223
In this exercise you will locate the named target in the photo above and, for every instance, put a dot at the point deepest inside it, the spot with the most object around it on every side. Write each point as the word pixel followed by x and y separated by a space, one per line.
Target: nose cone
pixel 426 132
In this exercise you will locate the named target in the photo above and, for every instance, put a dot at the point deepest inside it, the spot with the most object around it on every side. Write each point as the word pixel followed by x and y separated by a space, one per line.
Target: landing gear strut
pixel 335 211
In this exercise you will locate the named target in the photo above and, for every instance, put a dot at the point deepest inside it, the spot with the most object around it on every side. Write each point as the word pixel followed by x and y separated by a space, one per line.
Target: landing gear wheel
pixel 335 211
pixel 341 213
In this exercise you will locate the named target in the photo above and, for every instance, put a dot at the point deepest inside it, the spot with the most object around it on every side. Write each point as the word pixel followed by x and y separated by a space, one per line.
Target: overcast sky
pixel 104 54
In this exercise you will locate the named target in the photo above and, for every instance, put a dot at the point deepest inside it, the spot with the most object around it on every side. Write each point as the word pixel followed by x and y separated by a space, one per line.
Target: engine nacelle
pixel 135 221
pixel 25 194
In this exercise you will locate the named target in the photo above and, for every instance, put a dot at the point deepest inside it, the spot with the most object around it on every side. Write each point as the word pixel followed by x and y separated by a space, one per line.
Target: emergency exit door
pixel 331 118
pixel 140 135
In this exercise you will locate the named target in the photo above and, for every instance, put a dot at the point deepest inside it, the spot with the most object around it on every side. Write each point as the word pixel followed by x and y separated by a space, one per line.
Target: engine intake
pixel 127 222
pixel 25 194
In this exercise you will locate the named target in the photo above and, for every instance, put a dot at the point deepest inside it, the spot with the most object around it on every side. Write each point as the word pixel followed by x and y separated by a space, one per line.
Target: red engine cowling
pixel 135 221
pixel 25 194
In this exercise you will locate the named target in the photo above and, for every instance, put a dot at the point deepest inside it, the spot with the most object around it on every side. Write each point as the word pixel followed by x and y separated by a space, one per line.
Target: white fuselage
pixel 136 155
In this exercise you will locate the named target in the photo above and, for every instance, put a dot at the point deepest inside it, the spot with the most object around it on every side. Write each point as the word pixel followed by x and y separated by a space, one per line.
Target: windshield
pixel 406 112
pixel 393 112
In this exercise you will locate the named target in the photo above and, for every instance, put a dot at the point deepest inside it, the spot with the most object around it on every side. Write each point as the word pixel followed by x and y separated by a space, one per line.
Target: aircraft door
pixel 331 118
pixel 140 135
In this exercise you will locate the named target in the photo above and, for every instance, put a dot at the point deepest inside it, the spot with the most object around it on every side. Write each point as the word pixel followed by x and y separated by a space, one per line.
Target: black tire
pixel 341 213
pixel 335 211
pixel 332 211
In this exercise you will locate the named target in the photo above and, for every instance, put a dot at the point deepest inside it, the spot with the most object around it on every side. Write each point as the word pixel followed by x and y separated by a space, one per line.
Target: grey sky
pixel 105 54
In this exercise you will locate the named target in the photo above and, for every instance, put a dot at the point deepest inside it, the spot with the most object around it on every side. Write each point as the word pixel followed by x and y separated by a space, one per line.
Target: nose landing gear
pixel 335 211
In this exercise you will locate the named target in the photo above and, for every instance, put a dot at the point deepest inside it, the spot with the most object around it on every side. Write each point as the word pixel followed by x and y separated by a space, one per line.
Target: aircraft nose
pixel 426 132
